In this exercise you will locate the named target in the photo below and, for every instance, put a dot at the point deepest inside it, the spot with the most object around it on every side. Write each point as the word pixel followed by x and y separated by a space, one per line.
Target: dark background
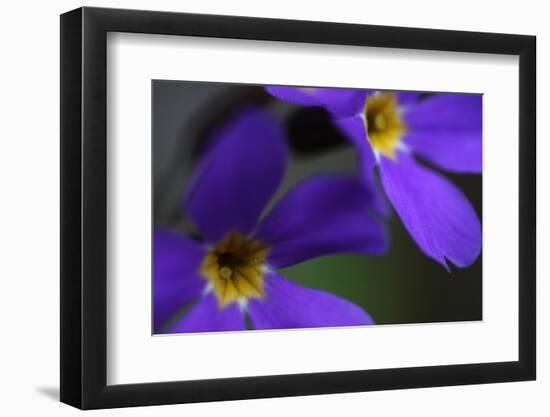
pixel 404 286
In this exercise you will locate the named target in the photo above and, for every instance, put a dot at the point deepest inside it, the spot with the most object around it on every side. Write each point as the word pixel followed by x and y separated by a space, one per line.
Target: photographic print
pixel 301 207
pixel 346 225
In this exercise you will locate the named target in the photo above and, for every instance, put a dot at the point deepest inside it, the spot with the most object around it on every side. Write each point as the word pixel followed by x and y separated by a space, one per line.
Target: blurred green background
pixel 403 286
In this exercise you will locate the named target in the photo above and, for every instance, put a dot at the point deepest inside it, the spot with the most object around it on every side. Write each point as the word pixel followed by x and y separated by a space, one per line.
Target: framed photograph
pixel 258 208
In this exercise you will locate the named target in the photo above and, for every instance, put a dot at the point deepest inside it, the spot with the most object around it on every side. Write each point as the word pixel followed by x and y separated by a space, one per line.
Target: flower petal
pixel 287 305
pixel 340 102
pixel 446 130
pixel 238 176
pixel 320 216
pixel 295 95
pixel 175 278
pixel 354 129
pixel 407 99
pixel 207 316
pixel 435 212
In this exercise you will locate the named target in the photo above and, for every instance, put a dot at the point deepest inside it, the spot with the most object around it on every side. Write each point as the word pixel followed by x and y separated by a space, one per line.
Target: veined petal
pixel 176 282
pixel 435 212
pixel 446 130
pixel 288 305
pixel 238 176
pixel 322 215
pixel 207 316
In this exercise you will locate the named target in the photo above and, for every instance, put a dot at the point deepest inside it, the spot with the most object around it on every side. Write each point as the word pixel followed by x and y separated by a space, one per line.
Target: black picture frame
pixel 84 207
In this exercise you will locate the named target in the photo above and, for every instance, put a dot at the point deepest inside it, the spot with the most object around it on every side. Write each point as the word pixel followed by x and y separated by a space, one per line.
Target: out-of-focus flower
pixel 230 277
pixel 389 130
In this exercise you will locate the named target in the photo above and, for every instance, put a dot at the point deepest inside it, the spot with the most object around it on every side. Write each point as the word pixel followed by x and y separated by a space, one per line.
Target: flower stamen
pixel 383 123
pixel 226 272
pixel 234 268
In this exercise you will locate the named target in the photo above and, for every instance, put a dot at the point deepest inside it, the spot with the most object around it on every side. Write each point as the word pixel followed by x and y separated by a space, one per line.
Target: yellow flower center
pixel 234 268
pixel 383 122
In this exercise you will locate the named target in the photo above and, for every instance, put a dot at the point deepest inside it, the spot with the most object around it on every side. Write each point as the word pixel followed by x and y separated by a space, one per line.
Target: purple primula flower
pixel 232 274
pixel 388 130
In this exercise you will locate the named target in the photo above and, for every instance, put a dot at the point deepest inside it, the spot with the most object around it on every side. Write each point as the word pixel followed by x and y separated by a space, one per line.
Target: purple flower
pixel 389 130
pixel 231 275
